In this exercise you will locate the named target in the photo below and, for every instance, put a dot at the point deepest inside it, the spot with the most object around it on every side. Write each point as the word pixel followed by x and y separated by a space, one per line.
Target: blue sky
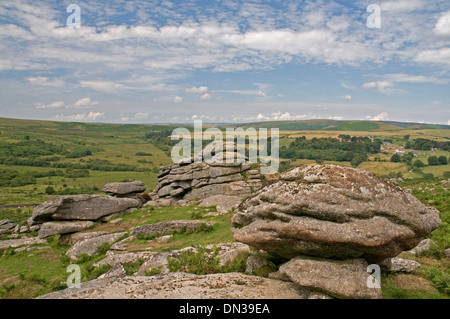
pixel 225 61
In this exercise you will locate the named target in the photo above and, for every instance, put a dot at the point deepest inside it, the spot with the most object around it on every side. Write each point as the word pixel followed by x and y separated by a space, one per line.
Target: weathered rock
pixel 157 262
pixel 223 203
pixel 124 188
pixel 82 207
pixel 447 253
pixel 340 279
pixel 75 238
pixel 115 272
pixel 59 228
pixel 26 241
pixel 91 245
pixel 329 211
pixel 424 246
pixel 163 228
pixel 399 265
pixel 7 226
pixel 259 266
pixel 184 286
pixel 114 257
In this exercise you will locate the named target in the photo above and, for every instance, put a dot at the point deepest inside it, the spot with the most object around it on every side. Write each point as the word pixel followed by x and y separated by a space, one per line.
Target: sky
pixel 225 61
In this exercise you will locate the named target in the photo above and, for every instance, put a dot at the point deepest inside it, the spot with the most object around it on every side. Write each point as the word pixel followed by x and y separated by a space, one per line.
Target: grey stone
pixel 91 245
pixel 343 279
pixel 124 188
pixel 424 246
pixel 447 253
pixel 163 228
pixel 259 266
pixel 25 241
pixel 116 271
pixel 399 265
pixel 82 207
pixel 59 228
pixel 7 226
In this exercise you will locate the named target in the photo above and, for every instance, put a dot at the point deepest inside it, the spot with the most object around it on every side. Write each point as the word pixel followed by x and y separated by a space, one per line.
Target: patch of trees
pixel 423 144
pixel 345 148
pixel 38 148
pixel 14 178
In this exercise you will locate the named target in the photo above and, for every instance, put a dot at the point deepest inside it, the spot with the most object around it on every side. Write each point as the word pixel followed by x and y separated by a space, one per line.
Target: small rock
pixel 399 265
pixel 259 266
pixel 424 246
pixel 116 271
pixel 164 239
pixel 90 246
pixel 163 228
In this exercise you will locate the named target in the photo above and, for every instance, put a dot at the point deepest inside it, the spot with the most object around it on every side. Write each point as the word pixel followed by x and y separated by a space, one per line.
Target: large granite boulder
pixel 333 212
pixel 82 207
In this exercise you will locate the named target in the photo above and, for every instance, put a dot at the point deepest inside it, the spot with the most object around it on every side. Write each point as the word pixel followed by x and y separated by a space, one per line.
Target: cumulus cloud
pixel 206 96
pixel 178 99
pixel 380 86
pixel 346 97
pixel 84 103
pixel 380 117
pixel 442 27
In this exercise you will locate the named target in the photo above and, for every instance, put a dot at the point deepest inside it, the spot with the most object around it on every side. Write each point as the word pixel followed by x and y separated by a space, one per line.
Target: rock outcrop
pixel 163 228
pixel 333 212
pixel 127 189
pixel 204 176
pixel 331 222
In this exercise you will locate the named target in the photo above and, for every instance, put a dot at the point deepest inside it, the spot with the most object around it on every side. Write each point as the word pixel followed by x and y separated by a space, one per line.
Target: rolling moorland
pixel 40 160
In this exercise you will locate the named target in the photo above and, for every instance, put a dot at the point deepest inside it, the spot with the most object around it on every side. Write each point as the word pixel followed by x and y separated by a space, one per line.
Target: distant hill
pixel 333 125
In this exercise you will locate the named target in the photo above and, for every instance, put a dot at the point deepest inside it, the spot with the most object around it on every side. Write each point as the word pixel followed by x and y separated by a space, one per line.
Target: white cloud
pixel 347 97
pixel 178 99
pixel 54 105
pixel 448 122
pixel 442 27
pixel 199 90
pixel 380 117
pixel 83 103
pixel 45 81
pixel 402 5
pixel 437 56
pixel 206 96
pixel 92 116
pixel 381 86
pixel 261 117
pixel 102 86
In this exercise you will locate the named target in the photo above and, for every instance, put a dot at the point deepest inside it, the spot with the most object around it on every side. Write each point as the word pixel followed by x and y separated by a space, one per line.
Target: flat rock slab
pixel 339 279
pixel 27 241
pixel 82 207
pixel 124 188
pixel 184 286
pixel 7 226
pixel 333 212
pixel 164 228
pixel 60 228
pixel 91 245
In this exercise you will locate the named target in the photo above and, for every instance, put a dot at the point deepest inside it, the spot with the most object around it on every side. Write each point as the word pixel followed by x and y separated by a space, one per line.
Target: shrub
pixel 433 161
pixel 396 158
pixel 49 190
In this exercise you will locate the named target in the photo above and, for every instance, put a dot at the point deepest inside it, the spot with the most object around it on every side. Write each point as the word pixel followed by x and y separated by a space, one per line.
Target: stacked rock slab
pixel 207 175
pixel 332 213
pixel 71 214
